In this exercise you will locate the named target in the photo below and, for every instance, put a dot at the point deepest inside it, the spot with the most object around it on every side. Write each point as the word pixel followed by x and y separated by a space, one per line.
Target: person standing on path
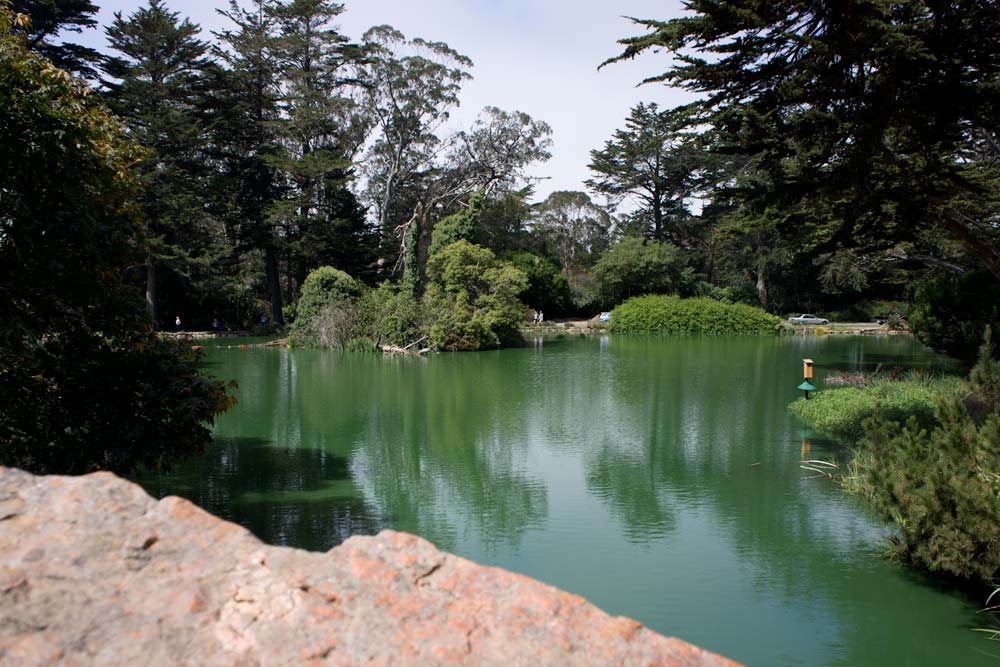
pixel 177 323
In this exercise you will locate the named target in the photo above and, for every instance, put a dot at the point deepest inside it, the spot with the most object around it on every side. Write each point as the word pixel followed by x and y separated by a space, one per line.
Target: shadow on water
pixel 870 362
pixel 286 496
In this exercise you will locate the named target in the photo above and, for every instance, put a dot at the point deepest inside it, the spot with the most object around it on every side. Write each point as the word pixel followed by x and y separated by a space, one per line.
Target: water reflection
pixel 659 478
pixel 284 495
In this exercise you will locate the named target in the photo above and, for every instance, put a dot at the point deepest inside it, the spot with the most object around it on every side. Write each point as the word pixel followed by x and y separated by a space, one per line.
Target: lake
pixel 657 477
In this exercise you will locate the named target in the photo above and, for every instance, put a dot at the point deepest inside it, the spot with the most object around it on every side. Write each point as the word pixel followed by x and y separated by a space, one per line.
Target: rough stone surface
pixel 95 572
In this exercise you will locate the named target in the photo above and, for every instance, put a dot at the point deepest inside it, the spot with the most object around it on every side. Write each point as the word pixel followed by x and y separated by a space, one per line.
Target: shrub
pixel 670 314
pixel 842 412
pixel 471 299
pixel 325 291
pixel 942 488
pixel 388 314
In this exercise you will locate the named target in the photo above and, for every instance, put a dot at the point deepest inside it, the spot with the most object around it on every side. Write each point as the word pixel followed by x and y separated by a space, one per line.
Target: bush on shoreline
pixel 941 486
pixel 934 472
pixel 658 313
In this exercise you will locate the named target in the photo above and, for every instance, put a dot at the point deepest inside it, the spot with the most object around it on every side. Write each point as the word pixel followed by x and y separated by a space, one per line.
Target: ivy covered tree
pixel 85 385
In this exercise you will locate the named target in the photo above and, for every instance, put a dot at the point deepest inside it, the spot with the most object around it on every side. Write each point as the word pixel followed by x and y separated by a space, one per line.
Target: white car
pixel 806 318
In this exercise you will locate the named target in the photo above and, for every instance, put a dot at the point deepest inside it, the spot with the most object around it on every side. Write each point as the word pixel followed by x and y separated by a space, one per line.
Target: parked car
pixel 806 318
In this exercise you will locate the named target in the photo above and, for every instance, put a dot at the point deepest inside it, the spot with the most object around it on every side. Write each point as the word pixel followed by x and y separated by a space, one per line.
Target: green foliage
pixel 842 412
pixel 323 289
pixel 388 314
pixel 633 267
pixel 460 226
pixel 670 314
pixel 548 289
pixel 867 311
pixel 950 312
pixel 84 384
pixel 471 300
pixel 50 18
pixel 942 488
pixel 984 379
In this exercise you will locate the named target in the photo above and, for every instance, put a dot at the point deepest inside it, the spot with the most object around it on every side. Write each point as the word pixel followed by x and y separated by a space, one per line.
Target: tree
pixel 471 299
pixel 574 229
pixel 498 147
pixel 157 87
pixel 319 219
pixel 50 18
pixel 651 165
pixel 871 124
pixel 634 267
pixel 84 383
pixel 410 86
pixel 245 102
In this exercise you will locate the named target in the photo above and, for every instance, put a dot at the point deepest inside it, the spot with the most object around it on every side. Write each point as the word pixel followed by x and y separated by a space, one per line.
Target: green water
pixel 657 477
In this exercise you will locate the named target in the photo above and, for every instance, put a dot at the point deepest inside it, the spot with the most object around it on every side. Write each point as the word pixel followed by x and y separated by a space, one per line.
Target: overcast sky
pixel 536 56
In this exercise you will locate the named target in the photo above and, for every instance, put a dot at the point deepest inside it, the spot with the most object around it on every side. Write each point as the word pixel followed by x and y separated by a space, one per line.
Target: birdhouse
pixel 807 369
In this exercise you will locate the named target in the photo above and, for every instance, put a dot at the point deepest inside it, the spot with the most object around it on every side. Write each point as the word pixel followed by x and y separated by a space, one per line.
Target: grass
pixel 842 412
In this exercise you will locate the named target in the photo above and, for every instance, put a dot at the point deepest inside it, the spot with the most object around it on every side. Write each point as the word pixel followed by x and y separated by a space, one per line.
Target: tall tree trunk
pixel 657 217
pixel 274 284
pixel 151 288
pixel 761 284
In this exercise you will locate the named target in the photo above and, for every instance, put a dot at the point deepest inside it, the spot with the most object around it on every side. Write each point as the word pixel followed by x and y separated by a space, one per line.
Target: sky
pixel 535 56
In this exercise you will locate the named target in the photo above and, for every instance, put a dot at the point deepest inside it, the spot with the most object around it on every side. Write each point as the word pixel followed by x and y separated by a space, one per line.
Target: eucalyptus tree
pixel 573 228
pixel 865 119
pixel 498 147
pixel 49 19
pixel 650 166
pixel 157 85
pixel 410 87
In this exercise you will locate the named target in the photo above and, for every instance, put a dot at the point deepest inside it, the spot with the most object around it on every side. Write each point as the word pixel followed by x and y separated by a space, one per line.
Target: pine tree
pixel 872 125
pixel 157 87
pixel 244 136
pixel 319 219
pixel 48 20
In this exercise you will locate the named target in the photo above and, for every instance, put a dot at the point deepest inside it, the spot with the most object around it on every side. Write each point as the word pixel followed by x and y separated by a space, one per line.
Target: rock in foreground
pixel 95 572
